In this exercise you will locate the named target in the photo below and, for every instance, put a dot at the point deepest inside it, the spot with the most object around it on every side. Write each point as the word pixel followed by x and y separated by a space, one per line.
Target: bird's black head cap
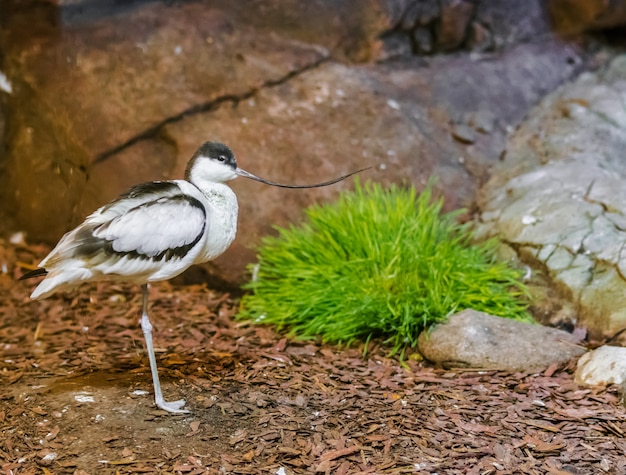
pixel 216 151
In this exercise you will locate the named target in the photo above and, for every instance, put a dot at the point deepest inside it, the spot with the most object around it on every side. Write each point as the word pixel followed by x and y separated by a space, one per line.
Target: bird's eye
pixel 221 158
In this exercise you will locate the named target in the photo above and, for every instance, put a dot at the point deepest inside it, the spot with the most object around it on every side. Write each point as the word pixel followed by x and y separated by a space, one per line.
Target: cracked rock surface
pixel 559 198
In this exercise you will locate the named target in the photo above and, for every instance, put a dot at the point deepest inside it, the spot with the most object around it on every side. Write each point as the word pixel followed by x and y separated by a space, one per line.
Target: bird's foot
pixel 173 406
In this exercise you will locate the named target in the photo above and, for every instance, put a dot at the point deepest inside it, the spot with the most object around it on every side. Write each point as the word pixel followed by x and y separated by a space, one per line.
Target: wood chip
pixel 263 403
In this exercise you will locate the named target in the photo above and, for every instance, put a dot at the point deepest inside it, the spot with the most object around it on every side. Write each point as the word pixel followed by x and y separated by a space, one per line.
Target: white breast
pixel 222 211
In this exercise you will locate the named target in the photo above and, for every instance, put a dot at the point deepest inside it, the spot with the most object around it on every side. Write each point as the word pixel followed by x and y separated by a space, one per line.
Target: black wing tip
pixel 34 273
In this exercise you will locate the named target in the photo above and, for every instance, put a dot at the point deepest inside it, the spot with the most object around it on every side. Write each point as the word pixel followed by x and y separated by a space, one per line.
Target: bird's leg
pixel 146 326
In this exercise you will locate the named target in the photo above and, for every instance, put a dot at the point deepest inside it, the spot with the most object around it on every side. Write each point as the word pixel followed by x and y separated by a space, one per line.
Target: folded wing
pixel 153 232
pixel 162 229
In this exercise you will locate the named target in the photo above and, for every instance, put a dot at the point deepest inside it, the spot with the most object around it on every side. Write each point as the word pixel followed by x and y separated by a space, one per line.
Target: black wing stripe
pixel 150 189
pixel 33 273
pixel 89 246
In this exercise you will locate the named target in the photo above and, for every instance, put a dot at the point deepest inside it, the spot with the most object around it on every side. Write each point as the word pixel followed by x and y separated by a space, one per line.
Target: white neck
pixel 222 211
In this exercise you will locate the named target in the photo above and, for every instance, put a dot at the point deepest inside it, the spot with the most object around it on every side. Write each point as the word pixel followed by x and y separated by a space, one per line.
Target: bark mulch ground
pixel 77 397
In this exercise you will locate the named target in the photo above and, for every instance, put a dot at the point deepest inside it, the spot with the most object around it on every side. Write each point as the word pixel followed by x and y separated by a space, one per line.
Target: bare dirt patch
pixel 77 397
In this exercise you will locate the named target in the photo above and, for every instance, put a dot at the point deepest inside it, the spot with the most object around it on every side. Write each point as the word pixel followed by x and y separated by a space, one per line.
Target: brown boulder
pixel 80 96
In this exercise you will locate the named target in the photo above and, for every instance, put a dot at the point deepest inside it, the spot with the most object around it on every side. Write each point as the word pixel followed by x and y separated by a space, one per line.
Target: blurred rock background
pixel 97 95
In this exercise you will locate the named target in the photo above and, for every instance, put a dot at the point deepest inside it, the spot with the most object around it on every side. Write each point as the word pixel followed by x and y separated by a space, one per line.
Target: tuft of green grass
pixel 378 262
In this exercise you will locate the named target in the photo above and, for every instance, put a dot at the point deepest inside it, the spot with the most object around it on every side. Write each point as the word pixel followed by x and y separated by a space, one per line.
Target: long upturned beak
pixel 246 174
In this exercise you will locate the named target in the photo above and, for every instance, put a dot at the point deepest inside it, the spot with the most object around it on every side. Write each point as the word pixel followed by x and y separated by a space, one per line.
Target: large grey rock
pixel 472 339
pixel 559 196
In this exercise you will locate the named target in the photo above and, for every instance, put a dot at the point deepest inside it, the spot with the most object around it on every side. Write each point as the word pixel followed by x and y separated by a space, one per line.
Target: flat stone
pixel 602 366
pixel 471 339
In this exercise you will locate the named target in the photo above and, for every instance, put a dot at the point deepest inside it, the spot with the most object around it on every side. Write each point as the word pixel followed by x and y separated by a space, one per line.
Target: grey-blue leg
pixel 146 326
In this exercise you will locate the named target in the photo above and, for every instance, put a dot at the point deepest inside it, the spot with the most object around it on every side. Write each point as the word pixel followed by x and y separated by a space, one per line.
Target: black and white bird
pixel 153 232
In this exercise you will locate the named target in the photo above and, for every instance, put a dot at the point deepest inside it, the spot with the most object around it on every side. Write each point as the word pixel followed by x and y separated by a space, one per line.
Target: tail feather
pixel 34 273
pixel 61 280
pixel 46 288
